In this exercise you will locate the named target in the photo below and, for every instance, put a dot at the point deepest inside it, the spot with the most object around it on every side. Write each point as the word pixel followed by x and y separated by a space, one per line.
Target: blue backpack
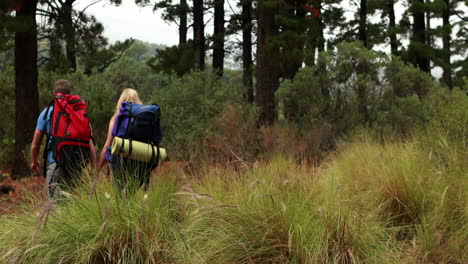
pixel 140 123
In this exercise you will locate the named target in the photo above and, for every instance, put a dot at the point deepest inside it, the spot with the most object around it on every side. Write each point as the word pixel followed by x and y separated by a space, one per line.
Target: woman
pixel 126 172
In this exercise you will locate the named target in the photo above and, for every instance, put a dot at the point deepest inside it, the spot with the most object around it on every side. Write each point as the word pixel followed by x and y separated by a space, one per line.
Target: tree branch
pixel 101 69
pixel 465 19
pixel 93 3
pixel 44 12
pixel 232 9
pixel 41 61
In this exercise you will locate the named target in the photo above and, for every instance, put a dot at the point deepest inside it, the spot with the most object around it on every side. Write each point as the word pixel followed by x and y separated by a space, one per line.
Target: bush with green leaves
pixel 358 87
pixel 189 108
pixel 7 101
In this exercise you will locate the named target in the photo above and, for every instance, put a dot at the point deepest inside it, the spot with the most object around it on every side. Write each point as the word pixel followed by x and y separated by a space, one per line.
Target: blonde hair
pixel 128 95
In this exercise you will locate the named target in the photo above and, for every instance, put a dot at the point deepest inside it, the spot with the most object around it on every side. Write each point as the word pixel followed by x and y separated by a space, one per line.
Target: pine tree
pixel 61 14
pixel 392 29
pixel 418 52
pixel 324 16
pixel 6 25
pixel 447 9
pixel 173 13
pixel 26 92
pixel 363 23
pixel 246 24
pixel 292 23
pixel 218 37
pixel 198 35
pixel 267 58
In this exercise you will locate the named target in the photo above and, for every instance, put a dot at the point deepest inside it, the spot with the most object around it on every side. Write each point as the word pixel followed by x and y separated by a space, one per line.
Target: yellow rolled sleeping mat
pixel 140 151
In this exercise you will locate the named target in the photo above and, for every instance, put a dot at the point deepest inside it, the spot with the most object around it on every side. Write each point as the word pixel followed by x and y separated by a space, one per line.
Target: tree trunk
pixel 267 54
pixel 183 22
pixel 363 23
pixel 70 41
pixel 419 36
pixel 198 35
pixel 315 42
pixel 247 49
pixel 26 92
pixel 446 39
pixel 310 49
pixel 218 38
pixel 321 38
pixel 428 27
pixel 392 27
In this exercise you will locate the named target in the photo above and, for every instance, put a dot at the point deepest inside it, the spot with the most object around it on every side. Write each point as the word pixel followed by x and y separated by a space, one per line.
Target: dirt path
pixel 14 192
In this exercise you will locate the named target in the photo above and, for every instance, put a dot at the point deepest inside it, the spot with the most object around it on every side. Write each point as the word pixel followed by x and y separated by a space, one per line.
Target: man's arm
pixel 35 147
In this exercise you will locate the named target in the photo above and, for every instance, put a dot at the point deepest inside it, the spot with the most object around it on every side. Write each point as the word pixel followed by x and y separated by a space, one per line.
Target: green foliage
pixel 406 80
pixel 6 28
pixel 450 117
pixel 403 115
pixel 446 132
pixel 7 101
pixel 99 58
pixel 189 106
pixel 356 87
pixel 142 51
pixel 177 59
pixel 170 12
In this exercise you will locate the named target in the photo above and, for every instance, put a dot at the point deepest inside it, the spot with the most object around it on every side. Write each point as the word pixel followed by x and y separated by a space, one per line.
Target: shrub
pixel 236 138
pixel 7 101
pixel 306 145
pixel 189 107
pixel 357 87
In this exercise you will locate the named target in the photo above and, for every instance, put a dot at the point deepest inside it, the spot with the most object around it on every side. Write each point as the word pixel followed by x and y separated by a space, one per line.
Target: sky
pixel 131 21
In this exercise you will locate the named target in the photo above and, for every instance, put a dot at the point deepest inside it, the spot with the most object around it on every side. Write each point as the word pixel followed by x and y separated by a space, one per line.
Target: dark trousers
pixel 130 174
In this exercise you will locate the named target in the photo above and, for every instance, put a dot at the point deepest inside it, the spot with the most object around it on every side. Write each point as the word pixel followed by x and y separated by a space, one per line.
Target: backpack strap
pixel 130 147
pixel 154 158
pixel 48 109
pixel 122 147
pixel 45 154
pixel 130 120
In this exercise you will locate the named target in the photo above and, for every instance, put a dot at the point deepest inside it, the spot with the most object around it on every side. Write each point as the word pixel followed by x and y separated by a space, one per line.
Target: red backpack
pixel 71 132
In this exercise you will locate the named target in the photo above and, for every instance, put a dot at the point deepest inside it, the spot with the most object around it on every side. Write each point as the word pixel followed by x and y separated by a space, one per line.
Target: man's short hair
pixel 63 86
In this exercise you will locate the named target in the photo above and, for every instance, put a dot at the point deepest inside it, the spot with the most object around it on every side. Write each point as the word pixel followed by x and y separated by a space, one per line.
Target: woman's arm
pixel 108 143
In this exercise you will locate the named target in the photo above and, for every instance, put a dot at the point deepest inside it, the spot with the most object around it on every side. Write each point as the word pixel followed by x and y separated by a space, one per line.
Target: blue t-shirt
pixel 46 126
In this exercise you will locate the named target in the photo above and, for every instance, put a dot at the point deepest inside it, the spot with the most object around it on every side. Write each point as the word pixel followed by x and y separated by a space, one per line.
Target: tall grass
pixel 371 203
pixel 392 202
pixel 96 224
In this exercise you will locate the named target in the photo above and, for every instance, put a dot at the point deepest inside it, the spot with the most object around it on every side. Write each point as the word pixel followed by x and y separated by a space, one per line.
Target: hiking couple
pixel 70 146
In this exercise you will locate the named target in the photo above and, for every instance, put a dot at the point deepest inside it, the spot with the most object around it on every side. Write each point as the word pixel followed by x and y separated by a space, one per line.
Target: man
pixel 55 176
